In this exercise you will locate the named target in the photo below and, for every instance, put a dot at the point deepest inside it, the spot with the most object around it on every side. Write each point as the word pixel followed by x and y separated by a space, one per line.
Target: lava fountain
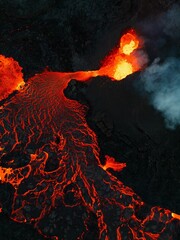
pixel 125 59
pixel 11 77
pixel 50 157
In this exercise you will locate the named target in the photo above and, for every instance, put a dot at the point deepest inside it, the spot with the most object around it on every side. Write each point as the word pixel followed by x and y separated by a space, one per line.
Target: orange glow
pixel 129 42
pixel 123 69
pixel 110 163
pixel 122 61
pixel 4 173
pixel 11 77
pixel 14 177
pixel 176 216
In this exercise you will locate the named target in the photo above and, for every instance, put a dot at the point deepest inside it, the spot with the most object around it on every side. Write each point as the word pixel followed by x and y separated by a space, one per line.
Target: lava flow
pixel 11 77
pixel 50 157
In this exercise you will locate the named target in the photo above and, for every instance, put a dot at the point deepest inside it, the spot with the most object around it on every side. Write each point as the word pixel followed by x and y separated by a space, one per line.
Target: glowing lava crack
pixel 40 117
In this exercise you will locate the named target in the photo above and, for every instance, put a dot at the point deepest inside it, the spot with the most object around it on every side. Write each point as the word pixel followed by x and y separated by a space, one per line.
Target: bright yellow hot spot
pixel 20 85
pixel 129 48
pixel 123 69
pixel 175 215
pixel 122 62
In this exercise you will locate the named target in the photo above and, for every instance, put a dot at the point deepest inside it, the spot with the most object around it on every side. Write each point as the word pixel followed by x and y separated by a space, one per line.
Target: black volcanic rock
pixel 25 8
pixel 132 131
pixel 14 231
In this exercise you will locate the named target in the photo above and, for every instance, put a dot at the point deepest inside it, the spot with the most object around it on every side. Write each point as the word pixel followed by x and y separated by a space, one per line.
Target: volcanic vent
pixel 50 157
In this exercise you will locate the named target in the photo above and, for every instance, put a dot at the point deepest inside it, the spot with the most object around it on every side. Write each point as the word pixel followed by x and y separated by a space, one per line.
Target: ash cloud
pixel 161 80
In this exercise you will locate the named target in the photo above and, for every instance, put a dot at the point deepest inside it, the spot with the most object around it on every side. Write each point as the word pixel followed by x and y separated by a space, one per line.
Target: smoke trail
pixel 162 81
pixel 162 78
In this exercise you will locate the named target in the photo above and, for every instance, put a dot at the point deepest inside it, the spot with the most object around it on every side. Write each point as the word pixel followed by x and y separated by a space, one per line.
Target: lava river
pixel 50 157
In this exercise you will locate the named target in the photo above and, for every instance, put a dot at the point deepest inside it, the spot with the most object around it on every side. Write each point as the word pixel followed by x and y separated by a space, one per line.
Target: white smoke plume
pixel 162 81
pixel 162 78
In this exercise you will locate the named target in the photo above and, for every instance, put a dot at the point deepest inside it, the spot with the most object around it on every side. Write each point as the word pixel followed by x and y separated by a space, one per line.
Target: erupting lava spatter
pixel 123 60
pixel 50 156
pixel 11 77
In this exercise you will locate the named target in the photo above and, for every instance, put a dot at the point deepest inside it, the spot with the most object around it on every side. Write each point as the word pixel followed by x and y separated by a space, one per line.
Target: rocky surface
pixel 132 131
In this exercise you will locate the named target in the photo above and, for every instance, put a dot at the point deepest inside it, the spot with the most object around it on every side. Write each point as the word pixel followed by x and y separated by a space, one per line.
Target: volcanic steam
pixel 161 80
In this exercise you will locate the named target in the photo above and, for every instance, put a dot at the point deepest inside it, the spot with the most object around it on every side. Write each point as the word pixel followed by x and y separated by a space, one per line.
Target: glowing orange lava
pixel 11 77
pixel 123 60
pixel 176 216
pixel 129 42
pixel 111 163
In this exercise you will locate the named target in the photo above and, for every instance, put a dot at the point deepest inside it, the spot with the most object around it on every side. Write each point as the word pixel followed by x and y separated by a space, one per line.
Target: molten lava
pixel 176 216
pixel 111 163
pixel 50 156
pixel 11 77
pixel 123 60
pixel 129 42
